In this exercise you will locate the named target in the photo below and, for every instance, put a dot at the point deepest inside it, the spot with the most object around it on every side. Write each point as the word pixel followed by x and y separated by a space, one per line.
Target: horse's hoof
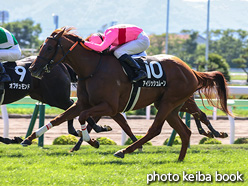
pixel 105 128
pixel 210 134
pixel 94 143
pixel 223 135
pixel 26 143
pixel 18 140
pixel 119 154
pixel 108 128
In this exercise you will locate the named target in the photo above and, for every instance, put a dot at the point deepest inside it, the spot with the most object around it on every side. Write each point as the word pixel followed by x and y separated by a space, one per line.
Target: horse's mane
pixel 69 32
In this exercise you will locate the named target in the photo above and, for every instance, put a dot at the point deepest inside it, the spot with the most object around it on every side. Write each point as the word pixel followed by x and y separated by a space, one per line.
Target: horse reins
pixel 51 62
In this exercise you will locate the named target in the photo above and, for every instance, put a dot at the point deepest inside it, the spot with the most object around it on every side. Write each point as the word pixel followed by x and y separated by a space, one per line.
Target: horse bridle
pixel 48 66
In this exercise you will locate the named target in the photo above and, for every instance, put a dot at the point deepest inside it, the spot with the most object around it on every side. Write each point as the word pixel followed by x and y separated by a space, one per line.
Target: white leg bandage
pixel 43 129
pixel 86 136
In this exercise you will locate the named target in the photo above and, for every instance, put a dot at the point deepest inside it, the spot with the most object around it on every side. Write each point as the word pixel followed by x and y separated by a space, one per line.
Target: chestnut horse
pixel 103 88
pixel 189 106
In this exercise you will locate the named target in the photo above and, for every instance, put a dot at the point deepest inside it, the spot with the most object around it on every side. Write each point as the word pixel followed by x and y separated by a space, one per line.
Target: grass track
pixel 54 165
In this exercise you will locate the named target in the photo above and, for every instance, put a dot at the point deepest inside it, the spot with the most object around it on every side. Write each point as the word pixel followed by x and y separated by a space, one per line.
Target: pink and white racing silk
pixel 115 36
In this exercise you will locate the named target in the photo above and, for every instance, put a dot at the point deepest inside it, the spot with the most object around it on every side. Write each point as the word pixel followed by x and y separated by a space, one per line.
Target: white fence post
pixel 148 112
pixel 5 121
pixel 123 134
pixel 214 113
pixel 232 126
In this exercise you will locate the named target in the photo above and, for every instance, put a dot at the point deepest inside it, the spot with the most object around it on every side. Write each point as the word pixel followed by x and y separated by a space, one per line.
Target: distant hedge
pixel 65 140
pixel 206 140
pixel 177 141
pixel 129 141
pixel 105 141
pixel 241 141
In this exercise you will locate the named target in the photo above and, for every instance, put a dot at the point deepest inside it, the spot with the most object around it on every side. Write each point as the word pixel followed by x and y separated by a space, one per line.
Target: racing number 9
pixel 20 70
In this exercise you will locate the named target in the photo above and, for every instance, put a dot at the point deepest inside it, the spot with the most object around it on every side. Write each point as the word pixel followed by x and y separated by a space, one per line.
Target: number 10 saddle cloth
pixel 155 78
pixel 155 73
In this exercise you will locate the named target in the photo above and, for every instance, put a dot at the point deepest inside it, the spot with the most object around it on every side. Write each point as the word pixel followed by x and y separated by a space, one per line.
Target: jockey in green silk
pixel 9 51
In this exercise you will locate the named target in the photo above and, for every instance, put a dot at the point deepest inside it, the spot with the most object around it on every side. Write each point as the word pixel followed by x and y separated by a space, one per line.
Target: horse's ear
pixel 59 34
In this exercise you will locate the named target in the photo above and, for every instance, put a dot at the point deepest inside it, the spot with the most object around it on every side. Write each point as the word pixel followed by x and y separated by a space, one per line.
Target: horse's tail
pixel 213 83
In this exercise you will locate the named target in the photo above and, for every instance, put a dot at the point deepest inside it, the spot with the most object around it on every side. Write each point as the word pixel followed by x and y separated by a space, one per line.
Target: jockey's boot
pixel 4 77
pixel 141 74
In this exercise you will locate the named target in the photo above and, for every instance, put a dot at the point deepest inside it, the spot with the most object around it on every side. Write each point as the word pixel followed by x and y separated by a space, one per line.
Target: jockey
pixel 9 51
pixel 125 40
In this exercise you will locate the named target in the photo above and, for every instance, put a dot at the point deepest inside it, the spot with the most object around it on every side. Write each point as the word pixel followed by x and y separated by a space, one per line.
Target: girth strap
pixel 133 98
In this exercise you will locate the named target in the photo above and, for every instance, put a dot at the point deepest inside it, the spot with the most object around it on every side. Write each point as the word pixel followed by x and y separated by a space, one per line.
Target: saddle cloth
pixel 155 73
pixel 155 78
pixel 20 77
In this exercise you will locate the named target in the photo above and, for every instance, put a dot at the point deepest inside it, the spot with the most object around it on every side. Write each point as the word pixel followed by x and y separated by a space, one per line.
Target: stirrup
pixel 141 75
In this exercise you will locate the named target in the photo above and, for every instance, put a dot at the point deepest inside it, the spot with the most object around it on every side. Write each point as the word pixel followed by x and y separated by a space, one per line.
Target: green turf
pixel 54 165
pixel 238 77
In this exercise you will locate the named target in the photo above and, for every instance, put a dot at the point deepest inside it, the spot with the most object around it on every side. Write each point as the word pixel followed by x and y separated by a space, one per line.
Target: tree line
pixel 227 48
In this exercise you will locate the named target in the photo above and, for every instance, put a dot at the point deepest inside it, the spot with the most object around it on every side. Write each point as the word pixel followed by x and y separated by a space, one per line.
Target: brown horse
pixel 103 88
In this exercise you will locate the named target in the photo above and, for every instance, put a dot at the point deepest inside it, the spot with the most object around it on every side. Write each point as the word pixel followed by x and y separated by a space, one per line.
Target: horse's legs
pixel 65 104
pixel 71 129
pixel 69 114
pixel 184 132
pixel 201 116
pixel 201 130
pixel 97 128
pixel 176 123
pixel 154 130
pixel 16 140
pixel 119 118
pixel 166 110
pixel 205 120
pixel 191 108
pixel 102 109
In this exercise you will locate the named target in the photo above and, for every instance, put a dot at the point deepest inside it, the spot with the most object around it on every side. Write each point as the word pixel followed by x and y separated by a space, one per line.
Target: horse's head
pixel 47 55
